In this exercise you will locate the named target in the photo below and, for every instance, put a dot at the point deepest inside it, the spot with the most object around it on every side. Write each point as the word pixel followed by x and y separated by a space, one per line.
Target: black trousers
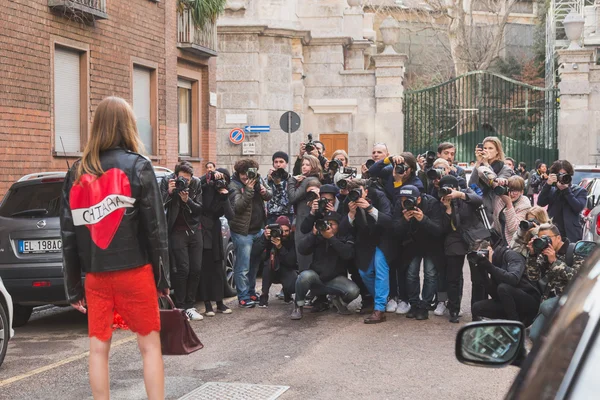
pixel 398 271
pixel 286 276
pixel 186 264
pixel 478 286
pixel 508 302
pixel 454 277
pixel 212 277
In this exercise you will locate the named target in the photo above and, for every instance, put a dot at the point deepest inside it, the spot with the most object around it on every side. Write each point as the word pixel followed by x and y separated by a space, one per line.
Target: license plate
pixel 40 246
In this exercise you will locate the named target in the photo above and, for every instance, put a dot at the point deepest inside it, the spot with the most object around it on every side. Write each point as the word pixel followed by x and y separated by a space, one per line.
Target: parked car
pixel 584 174
pixel 6 316
pixel 564 362
pixel 591 219
pixel 31 246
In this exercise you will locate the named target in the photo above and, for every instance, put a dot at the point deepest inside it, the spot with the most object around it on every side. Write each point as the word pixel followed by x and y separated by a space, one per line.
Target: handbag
pixel 176 335
pixel 478 233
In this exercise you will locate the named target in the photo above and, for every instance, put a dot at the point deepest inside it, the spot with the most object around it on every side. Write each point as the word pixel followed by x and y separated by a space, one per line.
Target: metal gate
pixel 466 109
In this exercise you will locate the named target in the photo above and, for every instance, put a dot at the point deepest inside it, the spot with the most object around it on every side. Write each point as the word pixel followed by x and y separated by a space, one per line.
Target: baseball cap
pixel 328 189
pixel 449 181
pixel 332 216
pixel 409 191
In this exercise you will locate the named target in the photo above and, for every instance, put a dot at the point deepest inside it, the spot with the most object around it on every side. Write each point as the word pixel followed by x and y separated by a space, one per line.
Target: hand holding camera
pixel 352 207
pixel 550 254
pixel 552 179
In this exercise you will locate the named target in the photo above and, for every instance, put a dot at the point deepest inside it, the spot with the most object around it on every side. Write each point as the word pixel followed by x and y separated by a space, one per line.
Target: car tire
pixel 21 315
pixel 228 263
pixel 5 329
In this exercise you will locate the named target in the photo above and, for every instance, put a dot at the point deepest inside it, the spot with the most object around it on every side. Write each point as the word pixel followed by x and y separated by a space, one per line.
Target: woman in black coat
pixel 212 276
pixel 460 215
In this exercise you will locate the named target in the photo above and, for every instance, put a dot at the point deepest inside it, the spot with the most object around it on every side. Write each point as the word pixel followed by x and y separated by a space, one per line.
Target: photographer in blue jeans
pixel 247 194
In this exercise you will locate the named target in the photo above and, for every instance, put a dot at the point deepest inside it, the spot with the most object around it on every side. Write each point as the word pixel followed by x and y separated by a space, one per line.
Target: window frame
pixel 195 78
pixel 153 68
pixel 84 94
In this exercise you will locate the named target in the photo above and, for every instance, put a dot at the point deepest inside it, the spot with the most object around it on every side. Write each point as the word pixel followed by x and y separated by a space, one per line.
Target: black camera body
pixel 409 204
pixel 355 194
pixel 311 196
pixel 310 145
pixel 430 157
pixel 322 206
pixel 350 171
pixel 253 173
pixel 276 231
pixel 335 165
pixel 444 191
pixel 541 243
pixel 369 163
pixel 501 190
pixel 400 169
pixel 564 179
pixel 321 225
pixel 181 185
pixel 280 174
pixel 436 173
pixel 217 183
pixel 526 225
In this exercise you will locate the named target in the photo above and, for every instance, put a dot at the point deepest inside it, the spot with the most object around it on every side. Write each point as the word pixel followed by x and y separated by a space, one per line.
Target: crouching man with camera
pixel 327 271
pixel 278 242
pixel 182 199
pixel 247 195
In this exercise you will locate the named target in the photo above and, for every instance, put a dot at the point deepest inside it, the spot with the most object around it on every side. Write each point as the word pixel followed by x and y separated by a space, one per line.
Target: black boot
pixel 454 317
pixel 422 313
pixel 296 312
pixel 412 313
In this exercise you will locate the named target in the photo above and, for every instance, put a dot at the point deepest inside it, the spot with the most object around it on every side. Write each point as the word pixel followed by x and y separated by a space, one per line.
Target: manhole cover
pixel 235 391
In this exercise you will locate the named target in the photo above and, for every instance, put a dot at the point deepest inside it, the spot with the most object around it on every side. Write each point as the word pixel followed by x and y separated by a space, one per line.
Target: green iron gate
pixel 466 109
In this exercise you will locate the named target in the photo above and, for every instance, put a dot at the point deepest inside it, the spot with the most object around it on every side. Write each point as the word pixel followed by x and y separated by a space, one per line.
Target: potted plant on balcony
pixel 202 11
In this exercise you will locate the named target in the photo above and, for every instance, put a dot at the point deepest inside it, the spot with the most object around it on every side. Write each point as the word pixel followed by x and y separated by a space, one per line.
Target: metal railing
pixel 99 5
pixel 188 33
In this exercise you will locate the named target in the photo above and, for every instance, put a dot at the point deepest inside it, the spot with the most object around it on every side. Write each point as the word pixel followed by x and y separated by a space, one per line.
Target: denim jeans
pixel 546 309
pixel 338 286
pixel 377 279
pixel 413 280
pixel 246 265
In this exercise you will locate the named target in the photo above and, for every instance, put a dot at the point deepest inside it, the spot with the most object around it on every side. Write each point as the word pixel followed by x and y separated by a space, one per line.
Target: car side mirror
pixel 492 344
pixel 584 248
pixel 591 202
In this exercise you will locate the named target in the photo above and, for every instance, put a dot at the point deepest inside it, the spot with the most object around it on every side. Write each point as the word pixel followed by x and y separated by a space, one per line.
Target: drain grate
pixel 235 391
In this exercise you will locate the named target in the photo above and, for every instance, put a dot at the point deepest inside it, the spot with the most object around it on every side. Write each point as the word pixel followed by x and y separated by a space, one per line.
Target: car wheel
pixel 4 332
pixel 21 315
pixel 228 264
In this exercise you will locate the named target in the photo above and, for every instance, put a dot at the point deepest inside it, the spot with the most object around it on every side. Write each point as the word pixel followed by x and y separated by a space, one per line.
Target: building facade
pixel 61 58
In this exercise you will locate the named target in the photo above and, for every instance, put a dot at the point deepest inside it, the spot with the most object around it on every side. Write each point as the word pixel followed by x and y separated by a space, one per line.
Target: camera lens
pixel 525 225
pixel 400 169
pixel 370 163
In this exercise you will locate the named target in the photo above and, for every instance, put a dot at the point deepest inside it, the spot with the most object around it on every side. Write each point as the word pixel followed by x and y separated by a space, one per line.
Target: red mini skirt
pixel 131 293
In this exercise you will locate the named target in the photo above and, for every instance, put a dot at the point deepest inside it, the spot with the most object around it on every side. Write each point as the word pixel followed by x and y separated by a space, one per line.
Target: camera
pixel 541 243
pixel 501 190
pixel 322 206
pixel 355 194
pixel 311 196
pixel 565 179
pixel 217 183
pixel 444 191
pixel 429 157
pixel 276 231
pixel 181 185
pixel 370 162
pixel 350 171
pixel 309 146
pixel 436 173
pixel 253 173
pixel 322 225
pixel 280 174
pixel 526 225
pixel 409 204
pixel 400 169
pixel 478 255
pixel 479 146
pixel 335 165
pixel 342 183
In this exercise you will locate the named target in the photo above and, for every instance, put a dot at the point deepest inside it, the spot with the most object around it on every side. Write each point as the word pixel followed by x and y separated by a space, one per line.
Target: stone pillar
pixel 577 124
pixel 353 20
pixel 389 74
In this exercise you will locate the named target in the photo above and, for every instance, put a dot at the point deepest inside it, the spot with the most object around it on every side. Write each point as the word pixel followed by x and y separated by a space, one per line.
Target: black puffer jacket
pixel 464 217
pixel 114 222
pixel 174 205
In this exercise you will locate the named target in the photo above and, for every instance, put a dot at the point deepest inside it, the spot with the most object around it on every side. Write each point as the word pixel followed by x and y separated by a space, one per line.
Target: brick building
pixel 59 59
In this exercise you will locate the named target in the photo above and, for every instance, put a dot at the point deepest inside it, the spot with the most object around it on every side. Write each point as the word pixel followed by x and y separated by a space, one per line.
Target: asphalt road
pixel 323 356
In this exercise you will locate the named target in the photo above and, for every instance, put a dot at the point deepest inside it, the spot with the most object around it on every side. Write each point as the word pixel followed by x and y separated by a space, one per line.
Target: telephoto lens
pixel 501 190
pixel 436 173
pixel 400 169
pixel 370 162
pixel 342 183
pixel 565 179
pixel 335 165
pixel 526 225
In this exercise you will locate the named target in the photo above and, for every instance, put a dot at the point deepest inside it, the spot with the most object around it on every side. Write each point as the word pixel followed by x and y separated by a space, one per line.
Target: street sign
pixel 257 128
pixel 236 119
pixel 237 135
pixel 249 148
pixel 289 122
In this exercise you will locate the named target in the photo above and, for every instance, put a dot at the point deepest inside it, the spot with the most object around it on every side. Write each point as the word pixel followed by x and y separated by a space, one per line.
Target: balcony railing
pixel 94 9
pixel 202 42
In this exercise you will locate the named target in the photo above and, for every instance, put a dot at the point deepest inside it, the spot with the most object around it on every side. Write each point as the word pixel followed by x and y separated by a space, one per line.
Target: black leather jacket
pixel 115 222
pixel 173 203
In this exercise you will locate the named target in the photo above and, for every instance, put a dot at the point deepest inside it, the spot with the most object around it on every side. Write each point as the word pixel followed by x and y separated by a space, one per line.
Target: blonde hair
pixel 342 153
pixel 441 161
pixel 114 126
pixel 515 182
pixel 315 166
pixel 539 214
pixel 497 144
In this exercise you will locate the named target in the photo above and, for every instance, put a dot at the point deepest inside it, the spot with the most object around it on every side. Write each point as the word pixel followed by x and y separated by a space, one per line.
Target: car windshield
pixel 32 201
pixel 581 175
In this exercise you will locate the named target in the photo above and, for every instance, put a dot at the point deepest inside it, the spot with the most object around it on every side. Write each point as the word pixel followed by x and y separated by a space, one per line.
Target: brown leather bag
pixel 176 335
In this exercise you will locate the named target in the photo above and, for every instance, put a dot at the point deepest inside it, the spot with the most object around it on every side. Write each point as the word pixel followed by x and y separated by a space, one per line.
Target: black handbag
pixel 478 233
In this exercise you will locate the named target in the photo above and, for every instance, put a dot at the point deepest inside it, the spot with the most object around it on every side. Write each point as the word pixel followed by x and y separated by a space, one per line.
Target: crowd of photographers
pixel 330 233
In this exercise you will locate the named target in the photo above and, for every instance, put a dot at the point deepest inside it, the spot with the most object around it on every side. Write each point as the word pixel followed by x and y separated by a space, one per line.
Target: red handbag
pixel 176 335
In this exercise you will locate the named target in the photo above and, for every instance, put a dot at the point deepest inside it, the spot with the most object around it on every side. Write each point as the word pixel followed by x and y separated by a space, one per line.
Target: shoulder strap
pixel 569 257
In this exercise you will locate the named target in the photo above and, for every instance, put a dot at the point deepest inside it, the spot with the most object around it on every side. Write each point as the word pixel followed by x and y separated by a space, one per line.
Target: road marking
pixel 60 363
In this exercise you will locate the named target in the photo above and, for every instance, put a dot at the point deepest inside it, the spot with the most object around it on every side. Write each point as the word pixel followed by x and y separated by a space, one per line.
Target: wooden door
pixel 333 142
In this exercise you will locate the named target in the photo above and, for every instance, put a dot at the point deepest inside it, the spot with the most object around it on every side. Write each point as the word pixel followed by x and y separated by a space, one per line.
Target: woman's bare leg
pixel 154 375
pixel 98 363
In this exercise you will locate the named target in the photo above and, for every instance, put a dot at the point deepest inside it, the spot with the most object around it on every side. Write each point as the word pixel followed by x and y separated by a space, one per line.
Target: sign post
pixel 289 123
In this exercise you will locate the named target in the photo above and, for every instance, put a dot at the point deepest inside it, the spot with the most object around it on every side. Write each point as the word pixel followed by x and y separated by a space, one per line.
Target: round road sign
pixel 289 122
pixel 237 135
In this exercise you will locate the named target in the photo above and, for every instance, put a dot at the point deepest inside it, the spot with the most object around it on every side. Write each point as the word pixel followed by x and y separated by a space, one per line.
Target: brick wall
pixel 141 29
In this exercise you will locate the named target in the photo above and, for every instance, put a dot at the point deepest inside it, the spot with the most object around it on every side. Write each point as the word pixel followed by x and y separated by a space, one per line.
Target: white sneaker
pixel 403 308
pixel 440 309
pixel 391 306
pixel 193 314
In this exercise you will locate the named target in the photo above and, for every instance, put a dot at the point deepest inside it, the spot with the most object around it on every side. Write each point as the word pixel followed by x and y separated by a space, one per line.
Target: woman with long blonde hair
pixel 113 228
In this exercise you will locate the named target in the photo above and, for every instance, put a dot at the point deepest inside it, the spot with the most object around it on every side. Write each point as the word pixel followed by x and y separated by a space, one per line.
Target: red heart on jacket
pixel 99 204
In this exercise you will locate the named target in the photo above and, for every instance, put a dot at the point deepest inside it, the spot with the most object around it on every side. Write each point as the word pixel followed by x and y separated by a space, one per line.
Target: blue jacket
pixel 385 172
pixel 567 204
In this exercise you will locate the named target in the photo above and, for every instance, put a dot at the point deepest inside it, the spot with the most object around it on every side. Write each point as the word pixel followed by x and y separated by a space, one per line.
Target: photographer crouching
pixel 327 272
pixel 278 242
pixel 182 199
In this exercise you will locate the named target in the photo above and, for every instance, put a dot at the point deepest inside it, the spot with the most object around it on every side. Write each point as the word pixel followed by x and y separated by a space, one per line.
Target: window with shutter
pixel 184 105
pixel 141 106
pixel 67 100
